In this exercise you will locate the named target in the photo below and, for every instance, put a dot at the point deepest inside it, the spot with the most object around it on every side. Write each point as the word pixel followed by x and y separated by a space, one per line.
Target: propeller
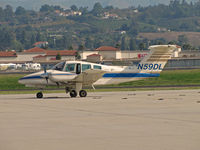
pixel 45 75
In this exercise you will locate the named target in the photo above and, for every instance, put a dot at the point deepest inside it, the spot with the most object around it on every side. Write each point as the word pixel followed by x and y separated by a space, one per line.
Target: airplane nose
pixel 21 81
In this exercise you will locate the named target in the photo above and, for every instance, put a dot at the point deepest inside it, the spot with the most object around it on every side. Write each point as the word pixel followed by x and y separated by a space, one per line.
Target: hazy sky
pixel 36 4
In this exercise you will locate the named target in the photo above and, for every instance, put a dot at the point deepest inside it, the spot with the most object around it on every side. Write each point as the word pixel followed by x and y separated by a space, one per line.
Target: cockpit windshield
pixel 59 66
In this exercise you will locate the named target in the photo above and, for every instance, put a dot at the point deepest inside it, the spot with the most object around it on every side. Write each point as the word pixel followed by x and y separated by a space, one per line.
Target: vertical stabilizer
pixel 157 58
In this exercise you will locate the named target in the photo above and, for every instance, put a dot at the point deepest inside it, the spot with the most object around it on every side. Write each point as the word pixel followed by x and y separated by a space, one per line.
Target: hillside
pixel 85 29
pixel 193 37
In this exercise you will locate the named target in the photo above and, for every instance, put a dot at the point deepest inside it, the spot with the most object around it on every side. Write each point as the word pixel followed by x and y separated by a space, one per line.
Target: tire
pixel 83 93
pixel 39 95
pixel 73 93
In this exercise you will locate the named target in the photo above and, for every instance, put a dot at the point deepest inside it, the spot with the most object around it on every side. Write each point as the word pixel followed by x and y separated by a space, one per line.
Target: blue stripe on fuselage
pixel 108 75
pixel 31 77
pixel 130 75
pixel 39 77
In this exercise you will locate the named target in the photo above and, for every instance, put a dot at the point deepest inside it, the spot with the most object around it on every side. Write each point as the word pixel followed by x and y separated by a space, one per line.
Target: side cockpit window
pixel 97 67
pixel 86 67
pixel 70 68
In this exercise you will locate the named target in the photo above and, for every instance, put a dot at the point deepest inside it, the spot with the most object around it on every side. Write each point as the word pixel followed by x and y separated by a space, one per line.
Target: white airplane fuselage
pixel 112 75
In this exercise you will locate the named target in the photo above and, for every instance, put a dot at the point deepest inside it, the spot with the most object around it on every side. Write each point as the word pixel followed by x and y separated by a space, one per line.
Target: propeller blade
pixel 45 69
pixel 47 79
pixel 46 74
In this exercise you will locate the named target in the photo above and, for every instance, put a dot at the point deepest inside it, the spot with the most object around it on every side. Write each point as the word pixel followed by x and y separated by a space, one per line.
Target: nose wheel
pixel 39 95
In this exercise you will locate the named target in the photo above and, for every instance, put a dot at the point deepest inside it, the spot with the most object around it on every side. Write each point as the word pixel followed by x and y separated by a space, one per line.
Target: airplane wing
pixel 89 76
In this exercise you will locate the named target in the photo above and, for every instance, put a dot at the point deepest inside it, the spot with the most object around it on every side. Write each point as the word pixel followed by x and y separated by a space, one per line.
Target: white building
pixel 38 54
pixel 10 56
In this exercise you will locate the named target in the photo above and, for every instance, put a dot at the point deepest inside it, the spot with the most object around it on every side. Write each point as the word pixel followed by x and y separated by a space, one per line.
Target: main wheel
pixel 73 93
pixel 83 93
pixel 39 95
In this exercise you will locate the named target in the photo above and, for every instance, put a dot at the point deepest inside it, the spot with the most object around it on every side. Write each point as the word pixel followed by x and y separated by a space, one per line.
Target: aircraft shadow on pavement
pixel 59 97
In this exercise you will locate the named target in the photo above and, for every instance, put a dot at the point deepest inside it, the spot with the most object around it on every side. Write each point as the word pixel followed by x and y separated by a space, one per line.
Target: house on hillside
pixel 40 44
pixel 68 13
pixel 108 15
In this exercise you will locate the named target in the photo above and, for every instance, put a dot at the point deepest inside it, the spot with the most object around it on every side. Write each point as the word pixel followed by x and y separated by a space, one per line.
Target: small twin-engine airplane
pixel 75 75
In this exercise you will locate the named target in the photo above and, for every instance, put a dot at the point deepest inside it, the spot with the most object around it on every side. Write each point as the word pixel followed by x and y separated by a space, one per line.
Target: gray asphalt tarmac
pixel 142 120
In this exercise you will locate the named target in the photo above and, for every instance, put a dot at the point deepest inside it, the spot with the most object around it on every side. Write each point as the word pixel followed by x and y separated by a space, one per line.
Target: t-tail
pixel 157 58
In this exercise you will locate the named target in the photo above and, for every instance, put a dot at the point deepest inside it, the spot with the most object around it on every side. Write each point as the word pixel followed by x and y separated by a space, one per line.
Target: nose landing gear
pixel 39 95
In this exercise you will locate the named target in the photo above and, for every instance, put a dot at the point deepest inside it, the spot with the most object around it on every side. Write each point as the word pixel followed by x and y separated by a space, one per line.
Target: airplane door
pixel 78 68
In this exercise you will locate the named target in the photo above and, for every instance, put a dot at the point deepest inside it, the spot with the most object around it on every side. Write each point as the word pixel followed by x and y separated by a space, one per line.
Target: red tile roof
pixel 8 54
pixel 51 52
pixel 107 48
pixel 37 43
pixel 61 52
pixel 35 50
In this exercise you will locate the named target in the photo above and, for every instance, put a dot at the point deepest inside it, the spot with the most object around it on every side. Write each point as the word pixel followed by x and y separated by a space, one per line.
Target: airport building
pixel 36 54
pixel 108 53
pixel 104 54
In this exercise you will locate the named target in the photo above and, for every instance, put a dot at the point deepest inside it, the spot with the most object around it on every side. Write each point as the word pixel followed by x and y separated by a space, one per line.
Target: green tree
pixel 124 45
pixel 58 56
pixel 2 16
pixel 74 8
pixel 84 10
pixel 7 38
pixel 70 47
pixel 142 46
pixel 38 37
pixel 117 45
pixel 33 39
pixel 182 39
pixel 80 47
pixel 8 12
pixel 88 43
pixel 46 8
pixel 16 45
pixel 20 11
pixel 133 45
pixel 97 9
pixel 78 56
pixel 187 47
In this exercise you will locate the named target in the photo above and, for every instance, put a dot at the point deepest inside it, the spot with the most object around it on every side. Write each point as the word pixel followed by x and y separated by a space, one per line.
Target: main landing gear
pixel 82 93
pixel 73 91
